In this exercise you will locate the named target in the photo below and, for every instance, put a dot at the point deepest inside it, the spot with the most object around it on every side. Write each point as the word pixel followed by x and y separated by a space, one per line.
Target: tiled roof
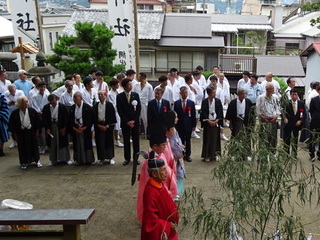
pixel 292 66
pixel 85 15
pixel 150 22
pixel 312 47
pixel 187 25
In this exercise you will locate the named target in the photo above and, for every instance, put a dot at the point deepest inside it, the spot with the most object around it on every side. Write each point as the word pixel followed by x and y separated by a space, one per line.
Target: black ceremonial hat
pixel 155 163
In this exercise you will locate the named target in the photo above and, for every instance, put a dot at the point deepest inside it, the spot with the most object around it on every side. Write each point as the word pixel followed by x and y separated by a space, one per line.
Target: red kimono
pixel 158 213
pixel 170 183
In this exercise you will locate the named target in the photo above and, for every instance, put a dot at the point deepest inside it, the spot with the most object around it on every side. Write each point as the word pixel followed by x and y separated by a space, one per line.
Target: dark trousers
pixel 314 136
pixel 185 137
pixel 128 132
pixel 290 136
pixel 269 135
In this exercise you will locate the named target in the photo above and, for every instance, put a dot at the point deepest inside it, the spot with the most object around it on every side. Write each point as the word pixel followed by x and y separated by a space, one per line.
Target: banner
pixel 24 16
pixel 122 23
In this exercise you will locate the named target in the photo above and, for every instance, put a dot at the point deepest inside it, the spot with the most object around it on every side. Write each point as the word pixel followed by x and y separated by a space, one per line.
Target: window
pixel 57 37
pixel 173 59
pixel 145 62
pixel 186 61
pixel 183 61
pixel 292 46
pixel 50 40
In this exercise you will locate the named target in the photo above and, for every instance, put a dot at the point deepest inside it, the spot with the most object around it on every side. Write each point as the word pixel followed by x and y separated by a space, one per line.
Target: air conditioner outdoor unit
pixel 238 66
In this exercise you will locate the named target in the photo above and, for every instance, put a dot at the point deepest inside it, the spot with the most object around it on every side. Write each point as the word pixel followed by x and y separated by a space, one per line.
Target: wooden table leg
pixel 71 232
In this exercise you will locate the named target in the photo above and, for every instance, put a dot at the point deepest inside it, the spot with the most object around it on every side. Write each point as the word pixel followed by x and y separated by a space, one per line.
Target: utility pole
pixel 39 19
pixel 136 37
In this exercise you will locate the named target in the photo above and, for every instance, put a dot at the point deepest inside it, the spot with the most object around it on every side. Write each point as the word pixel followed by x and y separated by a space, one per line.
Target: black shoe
pixel 125 162
pixel 188 159
pixel 1 152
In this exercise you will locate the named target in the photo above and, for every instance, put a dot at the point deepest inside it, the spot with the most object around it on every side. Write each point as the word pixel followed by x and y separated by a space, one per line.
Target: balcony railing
pixel 236 64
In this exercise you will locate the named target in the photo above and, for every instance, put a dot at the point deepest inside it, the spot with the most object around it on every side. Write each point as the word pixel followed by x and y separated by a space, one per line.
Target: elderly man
pixel 55 121
pixel 25 125
pixel 22 83
pixel 268 111
pixel 37 102
pixel 11 95
pixel 104 119
pixel 269 79
pixel 4 83
pixel 67 97
pixel 239 115
pixel 160 213
pixel 80 123
pixel 238 112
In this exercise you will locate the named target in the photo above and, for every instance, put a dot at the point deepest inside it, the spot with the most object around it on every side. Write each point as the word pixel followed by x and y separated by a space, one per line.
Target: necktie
pixel 183 106
pixel 159 105
pixel 128 97
pixel 294 107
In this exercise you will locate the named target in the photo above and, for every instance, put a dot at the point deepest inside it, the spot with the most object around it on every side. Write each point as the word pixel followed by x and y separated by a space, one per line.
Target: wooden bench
pixel 70 219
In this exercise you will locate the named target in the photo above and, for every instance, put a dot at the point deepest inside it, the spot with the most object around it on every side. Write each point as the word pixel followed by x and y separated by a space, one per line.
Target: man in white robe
pixel 145 91
pixel 37 102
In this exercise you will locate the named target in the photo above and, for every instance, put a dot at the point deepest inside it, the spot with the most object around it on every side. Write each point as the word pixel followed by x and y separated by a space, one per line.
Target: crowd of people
pixel 89 113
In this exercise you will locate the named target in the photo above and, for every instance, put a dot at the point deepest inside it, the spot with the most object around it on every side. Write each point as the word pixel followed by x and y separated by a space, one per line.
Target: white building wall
pixel 312 72
pixel 98 6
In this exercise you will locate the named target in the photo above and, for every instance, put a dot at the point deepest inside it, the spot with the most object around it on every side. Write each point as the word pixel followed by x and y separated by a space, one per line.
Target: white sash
pixel 54 112
pixel 25 120
pixel 78 114
pixel 212 112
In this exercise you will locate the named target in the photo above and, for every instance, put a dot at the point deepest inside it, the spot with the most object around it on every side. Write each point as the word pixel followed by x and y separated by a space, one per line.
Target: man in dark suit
pixel 293 119
pixel 155 108
pixel 314 110
pixel 186 113
pixel 238 112
pixel 129 108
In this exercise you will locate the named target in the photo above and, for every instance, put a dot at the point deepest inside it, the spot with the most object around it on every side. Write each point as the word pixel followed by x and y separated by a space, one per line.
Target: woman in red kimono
pixel 160 213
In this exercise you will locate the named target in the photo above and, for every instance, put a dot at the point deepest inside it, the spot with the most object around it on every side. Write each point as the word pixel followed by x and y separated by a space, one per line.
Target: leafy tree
pixel 257 39
pixel 71 59
pixel 256 195
pixel 312 7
